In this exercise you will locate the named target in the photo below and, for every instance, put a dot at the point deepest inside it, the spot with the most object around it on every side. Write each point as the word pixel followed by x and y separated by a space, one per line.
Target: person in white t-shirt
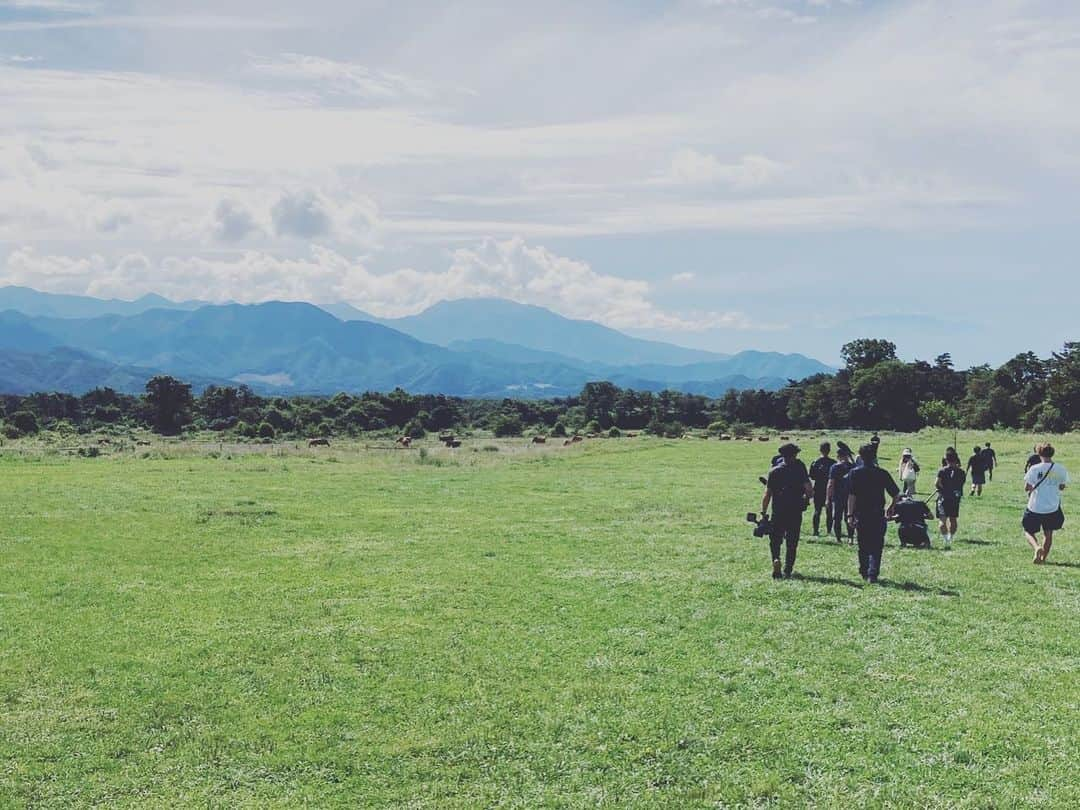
pixel 1044 483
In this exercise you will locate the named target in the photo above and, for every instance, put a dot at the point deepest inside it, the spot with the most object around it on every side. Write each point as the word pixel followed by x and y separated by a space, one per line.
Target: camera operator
pixel 866 506
pixel 789 491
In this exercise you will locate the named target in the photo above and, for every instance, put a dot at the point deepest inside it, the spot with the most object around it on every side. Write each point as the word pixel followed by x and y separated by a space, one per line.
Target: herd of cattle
pixel 451 441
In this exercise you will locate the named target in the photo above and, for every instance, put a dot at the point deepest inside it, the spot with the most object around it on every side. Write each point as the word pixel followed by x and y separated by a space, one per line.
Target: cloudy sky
pixel 729 174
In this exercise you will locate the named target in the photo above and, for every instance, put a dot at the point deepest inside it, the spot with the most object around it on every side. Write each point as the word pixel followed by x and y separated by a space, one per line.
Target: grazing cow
pixel 104 441
pixel 576 439
pixel 631 435
pixel 763 438
pixel 454 443
pixel 539 439
pixel 566 443
pixel 404 441
pixel 318 443
pixel 142 443
pixel 725 437
pixel 785 438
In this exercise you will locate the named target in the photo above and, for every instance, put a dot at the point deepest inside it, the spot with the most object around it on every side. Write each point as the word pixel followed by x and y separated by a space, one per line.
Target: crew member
pixel 866 507
pixel 788 491
pixel 819 474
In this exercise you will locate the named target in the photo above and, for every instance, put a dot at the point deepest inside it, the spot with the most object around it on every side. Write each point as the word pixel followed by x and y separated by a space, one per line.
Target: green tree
pixel 866 353
pixel 170 403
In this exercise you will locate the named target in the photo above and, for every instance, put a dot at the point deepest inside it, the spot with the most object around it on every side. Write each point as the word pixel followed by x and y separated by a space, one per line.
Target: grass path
pixel 556 627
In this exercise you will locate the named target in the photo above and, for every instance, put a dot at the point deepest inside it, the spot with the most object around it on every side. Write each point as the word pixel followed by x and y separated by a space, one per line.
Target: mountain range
pixel 474 347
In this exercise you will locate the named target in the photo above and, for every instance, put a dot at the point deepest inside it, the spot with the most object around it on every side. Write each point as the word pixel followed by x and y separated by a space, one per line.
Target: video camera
pixel 762 527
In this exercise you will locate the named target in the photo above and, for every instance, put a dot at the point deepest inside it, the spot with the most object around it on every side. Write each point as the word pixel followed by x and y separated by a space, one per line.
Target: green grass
pixel 536 627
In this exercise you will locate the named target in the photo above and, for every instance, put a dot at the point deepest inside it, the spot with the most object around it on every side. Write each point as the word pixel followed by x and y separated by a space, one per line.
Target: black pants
pixel 839 519
pixel 819 506
pixel 870 533
pixel 786 528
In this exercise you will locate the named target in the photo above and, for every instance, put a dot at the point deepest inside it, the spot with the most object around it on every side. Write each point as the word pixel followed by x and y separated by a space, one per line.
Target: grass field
pixel 561 627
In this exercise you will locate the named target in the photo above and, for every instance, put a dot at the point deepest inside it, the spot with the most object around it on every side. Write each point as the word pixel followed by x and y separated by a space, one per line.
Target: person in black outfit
pixel 788 491
pixel 866 506
pixel 837 492
pixel 950 490
pixel 977 467
pixel 819 474
pixel 912 515
pixel 990 458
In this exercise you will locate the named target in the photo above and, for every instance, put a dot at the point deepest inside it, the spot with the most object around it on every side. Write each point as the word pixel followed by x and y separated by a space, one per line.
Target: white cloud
pixel 690 167
pixel 332 76
pixel 509 269
pixel 683 278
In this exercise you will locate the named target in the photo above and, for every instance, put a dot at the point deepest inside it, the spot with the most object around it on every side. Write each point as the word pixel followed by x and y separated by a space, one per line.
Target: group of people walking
pixel 851 491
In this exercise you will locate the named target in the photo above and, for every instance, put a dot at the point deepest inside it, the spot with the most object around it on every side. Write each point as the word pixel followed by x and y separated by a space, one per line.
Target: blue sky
pixel 727 174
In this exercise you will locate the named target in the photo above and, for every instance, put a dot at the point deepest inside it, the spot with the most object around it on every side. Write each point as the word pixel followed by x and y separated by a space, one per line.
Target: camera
pixel 762 527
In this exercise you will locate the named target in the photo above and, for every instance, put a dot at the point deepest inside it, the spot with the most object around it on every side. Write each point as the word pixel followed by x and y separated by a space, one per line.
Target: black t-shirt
pixel 869 484
pixel 1033 459
pixel 977 463
pixel 950 482
pixel 787 483
pixel 912 512
pixel 819 473
pixel 989 457
pixel 839 476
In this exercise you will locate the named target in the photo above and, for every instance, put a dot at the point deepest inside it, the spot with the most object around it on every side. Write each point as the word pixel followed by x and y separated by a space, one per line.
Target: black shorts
pixel 819 499
pixel 948 508
pixel 1034 522
pixel 978 478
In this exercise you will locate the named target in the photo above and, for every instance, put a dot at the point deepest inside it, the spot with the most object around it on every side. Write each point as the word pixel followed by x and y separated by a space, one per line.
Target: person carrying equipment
pixel 912 516
pixel 788 490
pixel 819 474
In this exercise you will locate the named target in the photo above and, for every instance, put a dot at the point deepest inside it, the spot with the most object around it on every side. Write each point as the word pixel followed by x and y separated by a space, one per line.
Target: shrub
pixel 11 432
pixel 266 431
pixel 504 425
pixel 593 427
pixel 245 430
pixel 414 429
pixel 614 433
pixel 25 422
pixel 741 430
pixel 89 452
pixel 559 430
pixel 717 428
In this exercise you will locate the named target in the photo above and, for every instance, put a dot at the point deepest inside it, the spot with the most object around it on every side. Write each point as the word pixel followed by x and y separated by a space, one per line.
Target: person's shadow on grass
pixel 913 587
pixel 1062 564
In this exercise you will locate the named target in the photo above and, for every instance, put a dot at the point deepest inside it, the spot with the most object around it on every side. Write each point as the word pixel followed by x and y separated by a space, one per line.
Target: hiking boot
pixel 776 569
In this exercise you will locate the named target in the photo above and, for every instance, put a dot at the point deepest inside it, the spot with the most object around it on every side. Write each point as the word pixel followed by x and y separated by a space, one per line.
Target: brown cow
pixel 318 443
pixel 566 443
pixel 576 439
pixel 539 439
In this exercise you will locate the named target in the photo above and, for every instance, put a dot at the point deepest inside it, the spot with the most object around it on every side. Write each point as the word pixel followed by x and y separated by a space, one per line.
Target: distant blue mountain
pixel 300 348
pixel 53 305
pixel 541 330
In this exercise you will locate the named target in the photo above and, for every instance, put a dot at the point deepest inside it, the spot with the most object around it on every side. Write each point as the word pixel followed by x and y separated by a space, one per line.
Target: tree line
pixel 874 391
